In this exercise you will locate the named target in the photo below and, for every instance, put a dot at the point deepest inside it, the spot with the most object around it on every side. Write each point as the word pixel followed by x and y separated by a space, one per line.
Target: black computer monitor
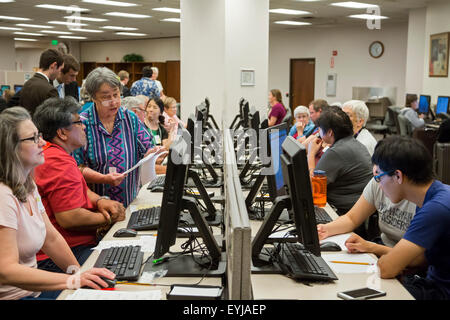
pixel 442 105
pixel 424 104
pixel 298 201
pixel 17 87
pixel 245 115
pixel 207 105
pixel 275 182
pixel 190 127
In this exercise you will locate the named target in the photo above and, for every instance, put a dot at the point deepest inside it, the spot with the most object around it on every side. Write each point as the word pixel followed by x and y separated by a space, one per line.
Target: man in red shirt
pixel 74 210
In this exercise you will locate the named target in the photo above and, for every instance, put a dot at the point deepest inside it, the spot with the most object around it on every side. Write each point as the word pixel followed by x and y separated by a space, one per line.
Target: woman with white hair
pixel 359 114
pixel 303 126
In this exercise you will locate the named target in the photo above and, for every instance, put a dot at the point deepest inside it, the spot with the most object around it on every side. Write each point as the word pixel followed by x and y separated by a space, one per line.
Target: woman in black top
pixel 155 123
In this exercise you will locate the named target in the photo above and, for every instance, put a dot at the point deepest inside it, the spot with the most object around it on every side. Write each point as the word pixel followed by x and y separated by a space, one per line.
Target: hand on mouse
pixel 357 244
pixel 91 278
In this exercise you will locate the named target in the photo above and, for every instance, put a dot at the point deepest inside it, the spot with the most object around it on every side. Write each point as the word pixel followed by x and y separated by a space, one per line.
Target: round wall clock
pixel 376 49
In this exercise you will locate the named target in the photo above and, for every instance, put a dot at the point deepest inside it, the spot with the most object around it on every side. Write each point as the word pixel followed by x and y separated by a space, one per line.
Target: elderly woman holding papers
pixel 116 140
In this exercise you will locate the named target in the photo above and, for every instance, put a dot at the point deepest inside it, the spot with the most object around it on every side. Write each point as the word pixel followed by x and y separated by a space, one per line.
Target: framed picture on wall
pixel 438 62
pixel 247 77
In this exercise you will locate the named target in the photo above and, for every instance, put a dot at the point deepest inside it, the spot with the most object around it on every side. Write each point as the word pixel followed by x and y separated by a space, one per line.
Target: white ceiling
pixel 322 16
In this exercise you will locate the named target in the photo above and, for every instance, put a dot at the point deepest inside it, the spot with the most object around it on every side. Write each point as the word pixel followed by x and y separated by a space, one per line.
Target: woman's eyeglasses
pixel 35 138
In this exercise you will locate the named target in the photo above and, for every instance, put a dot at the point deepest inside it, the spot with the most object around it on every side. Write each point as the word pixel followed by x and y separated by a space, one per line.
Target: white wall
pixel 27 58
pixel 353 64
pixel 7 53
pixel 155 50
pixel 437 21
pixel 415 51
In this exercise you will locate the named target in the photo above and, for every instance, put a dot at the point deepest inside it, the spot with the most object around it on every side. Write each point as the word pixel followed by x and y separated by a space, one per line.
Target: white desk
pixel 147 198
pixel 274 286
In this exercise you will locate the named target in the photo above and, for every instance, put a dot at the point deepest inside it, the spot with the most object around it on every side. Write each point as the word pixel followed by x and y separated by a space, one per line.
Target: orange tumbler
pixel 319 186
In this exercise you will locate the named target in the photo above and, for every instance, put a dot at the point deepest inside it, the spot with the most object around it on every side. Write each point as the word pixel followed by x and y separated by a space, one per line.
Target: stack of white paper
pixel 89 294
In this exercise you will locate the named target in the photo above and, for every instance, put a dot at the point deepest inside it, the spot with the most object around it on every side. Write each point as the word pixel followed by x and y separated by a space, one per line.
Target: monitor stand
pixel 185 265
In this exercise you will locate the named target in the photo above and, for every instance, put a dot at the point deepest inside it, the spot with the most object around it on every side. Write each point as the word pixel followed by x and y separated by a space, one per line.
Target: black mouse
pixel 110 282
pixel 329 246
pixel 124 232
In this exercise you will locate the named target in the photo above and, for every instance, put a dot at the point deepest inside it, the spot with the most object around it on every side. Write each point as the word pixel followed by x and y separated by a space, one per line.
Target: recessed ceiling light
pixel 24 39
pixel 33 26
pixel 367 16
pixel 55 32
pixel 288 11
pixel 87 30
pixel 14 18
pixel 131 34
pixel 72 37
pixel 85 18
pixel 127 15
pixel 10 28
pixel 119 28
pixel 111 3
pixel 29 34
pixel 66 23
pixel 354 5
pixel 62 8
pixel 172 19
pixel 165 9
pixel 6 1
pixel 293 23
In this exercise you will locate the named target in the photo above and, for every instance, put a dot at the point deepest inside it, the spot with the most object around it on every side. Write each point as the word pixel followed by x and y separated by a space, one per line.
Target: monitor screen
pixel 5 87
pixel 276 137
pixel 17 88
pixel 424 104
pixel 442 105
pixel 298 186
pixel 171 205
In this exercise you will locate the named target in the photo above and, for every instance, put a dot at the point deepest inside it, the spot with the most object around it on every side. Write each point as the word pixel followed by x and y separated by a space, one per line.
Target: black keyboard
pixel 158 182
pixel 145 219
pixel 299 263
pixel 322 216
pixel 125 262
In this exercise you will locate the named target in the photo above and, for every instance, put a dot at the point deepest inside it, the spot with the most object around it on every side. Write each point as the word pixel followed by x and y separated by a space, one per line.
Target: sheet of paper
pixel 351 257
pixel 195 291
pixel 147 243
pixel 339 239
pixel 148 170
pixel 89 294
pixel 145 159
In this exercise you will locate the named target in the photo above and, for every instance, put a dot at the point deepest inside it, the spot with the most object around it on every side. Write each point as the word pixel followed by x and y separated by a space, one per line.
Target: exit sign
pixel 54 42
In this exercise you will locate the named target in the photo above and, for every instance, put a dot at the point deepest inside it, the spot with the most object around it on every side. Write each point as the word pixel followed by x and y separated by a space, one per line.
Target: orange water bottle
pixel 319 186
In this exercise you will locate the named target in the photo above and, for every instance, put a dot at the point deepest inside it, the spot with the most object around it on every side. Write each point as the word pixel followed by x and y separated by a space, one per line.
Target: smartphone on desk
pixel 361 294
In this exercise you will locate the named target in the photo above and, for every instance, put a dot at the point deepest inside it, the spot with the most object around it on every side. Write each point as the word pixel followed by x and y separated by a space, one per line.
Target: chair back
pixel 404 125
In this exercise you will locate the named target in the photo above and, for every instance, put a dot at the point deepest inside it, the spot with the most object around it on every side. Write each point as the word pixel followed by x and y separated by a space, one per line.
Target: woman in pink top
pixel 170 114
pixel 277 109
pixel 24 226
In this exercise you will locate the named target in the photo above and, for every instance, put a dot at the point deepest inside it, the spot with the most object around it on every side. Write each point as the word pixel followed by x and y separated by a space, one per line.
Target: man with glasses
pixel 403 167
pixel 74 210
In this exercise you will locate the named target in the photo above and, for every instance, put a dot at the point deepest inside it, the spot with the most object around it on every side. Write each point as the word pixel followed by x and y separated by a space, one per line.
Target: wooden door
pixel 172 87
pixel 302 77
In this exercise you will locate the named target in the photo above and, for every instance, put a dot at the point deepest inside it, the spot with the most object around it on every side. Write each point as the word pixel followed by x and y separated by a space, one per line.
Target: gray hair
pixel 155 70
pixel 11 169
pixel 131 102
pixel 359 108
pixel 301 110
pixel 99 76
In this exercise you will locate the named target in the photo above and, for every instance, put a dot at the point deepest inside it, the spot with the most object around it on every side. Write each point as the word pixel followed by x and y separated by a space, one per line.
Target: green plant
pixel 132 57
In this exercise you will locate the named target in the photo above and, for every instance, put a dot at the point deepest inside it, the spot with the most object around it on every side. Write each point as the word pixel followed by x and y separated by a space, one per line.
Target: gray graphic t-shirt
pixel 393 219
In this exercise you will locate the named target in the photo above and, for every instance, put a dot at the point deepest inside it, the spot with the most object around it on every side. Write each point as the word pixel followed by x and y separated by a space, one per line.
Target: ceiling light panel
pixel 26 25
pixel 29 34
pixel 68 23
pixel 127 15
pixel 24 39
pixel 354 5
pixel 293 23
pixel 55 32
pixel 367 16
pixel 172 20
pixel 85 18
pixel 289 11
pixel 165 9
pixel 62 8
pixel 119 28
pixel 111 3
pixel 131 34
pixel 14 18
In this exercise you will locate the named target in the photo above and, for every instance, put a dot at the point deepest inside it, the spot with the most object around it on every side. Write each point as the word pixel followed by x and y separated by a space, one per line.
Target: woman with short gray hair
pixel 303 126
pixel 358 113
pixel 116 140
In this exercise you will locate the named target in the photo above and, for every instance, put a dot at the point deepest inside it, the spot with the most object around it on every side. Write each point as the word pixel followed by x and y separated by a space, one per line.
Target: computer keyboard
pixel 145 219
pixel 158 182
pixel 125 262
pixel 322 216
pixel 299 263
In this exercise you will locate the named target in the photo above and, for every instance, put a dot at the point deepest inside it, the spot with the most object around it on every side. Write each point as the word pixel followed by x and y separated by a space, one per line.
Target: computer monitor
pixel 275 182
pixel 245 115
pixel 442 105
pixel 173 202
pixel 17 87
pixel 4 87
pixel 424 104
pixel 298 201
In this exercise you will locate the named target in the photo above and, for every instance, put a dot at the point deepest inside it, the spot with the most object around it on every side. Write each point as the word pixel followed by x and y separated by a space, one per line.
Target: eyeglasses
pixel 77 122
pixel 378 177
pixel 107 103
pixel 35 138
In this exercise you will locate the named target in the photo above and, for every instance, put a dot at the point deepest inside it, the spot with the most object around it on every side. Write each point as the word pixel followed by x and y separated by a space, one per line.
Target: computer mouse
pixel 329 246
pixel 111 282
pixel 124 232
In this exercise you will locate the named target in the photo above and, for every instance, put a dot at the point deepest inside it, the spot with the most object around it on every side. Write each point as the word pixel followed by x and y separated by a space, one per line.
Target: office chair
pixel 427 136
pixel 404 125
pixel 442 161
pixel 392 119
pixel 288 117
